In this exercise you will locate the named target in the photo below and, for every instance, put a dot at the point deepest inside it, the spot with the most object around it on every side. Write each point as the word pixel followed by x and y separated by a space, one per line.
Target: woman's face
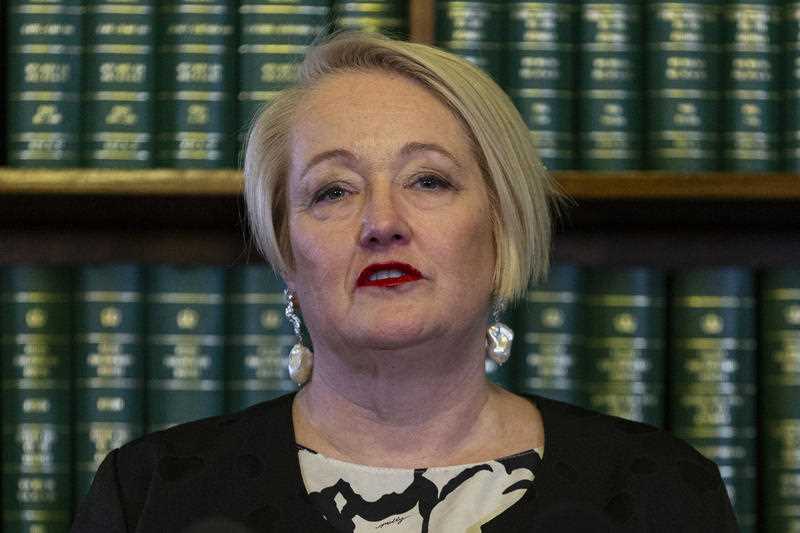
pixel 388 216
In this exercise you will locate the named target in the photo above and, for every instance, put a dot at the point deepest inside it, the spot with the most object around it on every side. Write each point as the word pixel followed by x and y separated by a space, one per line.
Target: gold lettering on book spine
pixel 47 72
pixel 111 72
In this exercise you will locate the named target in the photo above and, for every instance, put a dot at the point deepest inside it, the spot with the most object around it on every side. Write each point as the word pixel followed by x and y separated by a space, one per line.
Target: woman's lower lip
pixel 389 282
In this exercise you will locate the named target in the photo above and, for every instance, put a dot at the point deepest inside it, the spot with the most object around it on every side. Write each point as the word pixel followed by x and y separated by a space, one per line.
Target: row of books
pixel 95 355
pixel 681 86
pixel 135 83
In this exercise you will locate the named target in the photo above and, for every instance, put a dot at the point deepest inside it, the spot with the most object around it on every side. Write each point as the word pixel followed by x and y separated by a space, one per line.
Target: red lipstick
pixel 399 273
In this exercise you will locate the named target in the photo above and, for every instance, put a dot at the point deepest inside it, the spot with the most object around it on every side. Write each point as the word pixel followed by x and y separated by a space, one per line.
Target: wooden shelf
pixel 78 181
pixel 644 185
pixel 651 185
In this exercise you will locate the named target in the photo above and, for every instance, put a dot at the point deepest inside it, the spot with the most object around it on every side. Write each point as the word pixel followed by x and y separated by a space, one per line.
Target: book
pixel 273 38
pixel 683 85
pixel 549 336
pixel 474 31
pixel 610 86
pixel 37 444
pixel 195 84
pixel 790 84
pixel 118 84
pixel 751 86
pixel 779 399
pixel 540 77
pixel 713 376
pixel 623 364
pixel 258 338
pixel 108 364
pixel 44 83
pixel 185 344
pixel 384 16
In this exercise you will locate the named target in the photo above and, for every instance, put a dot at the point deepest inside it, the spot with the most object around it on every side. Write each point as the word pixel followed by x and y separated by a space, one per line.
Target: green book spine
pixel 389 17
pixel 474 31
pixel 44 61
pixel 683 111
pixel 623 364
pixel 185 344
pixel 610 86
pixel 751 85
pixel 108 364
pixel 37 448
pixel 258 338
pixel 712 370
pixel 791 86
pixel 548 336
pixel 196 120
pixel 272 40
pixel 541 76
pixel 780 400
pixel 118 74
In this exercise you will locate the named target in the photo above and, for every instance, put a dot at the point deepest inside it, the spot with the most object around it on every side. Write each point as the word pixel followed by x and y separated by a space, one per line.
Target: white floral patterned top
pixel 452 499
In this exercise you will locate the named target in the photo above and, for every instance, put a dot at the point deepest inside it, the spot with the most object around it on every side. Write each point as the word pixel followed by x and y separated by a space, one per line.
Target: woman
pixel 397 192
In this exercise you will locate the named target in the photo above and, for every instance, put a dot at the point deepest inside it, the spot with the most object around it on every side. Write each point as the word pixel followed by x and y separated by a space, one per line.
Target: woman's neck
pixel 409 409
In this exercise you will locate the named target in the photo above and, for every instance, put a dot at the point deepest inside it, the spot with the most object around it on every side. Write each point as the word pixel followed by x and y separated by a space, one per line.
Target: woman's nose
pixel 382 224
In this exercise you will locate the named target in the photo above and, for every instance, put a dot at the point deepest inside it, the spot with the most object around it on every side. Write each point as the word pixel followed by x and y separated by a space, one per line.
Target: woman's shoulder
pixel 576 429
pixel 218 435
pixel 226 465
pixel 633 474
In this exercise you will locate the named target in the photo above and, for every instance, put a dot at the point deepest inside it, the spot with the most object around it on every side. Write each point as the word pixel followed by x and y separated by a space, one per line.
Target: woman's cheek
pixel 320 252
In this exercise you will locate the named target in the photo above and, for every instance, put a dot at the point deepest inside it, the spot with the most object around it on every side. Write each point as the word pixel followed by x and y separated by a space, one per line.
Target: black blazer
pixel 240 473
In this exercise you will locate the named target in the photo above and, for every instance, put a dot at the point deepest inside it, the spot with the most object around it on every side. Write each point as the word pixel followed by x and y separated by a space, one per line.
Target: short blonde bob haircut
pixel 519 187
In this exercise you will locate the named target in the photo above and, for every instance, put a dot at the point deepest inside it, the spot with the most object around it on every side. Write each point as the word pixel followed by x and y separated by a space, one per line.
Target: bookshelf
pixel 637 217
pixel 663 220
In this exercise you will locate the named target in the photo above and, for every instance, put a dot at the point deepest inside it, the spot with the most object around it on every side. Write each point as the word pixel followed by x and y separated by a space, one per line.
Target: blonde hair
pixel 519 186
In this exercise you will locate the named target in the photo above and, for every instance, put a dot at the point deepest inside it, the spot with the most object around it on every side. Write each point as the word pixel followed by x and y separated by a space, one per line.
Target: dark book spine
pixel 610 86
pixel 196 120
pixel 623 364
pixel 541 76
pixel 780 400
pixel 185 344
pixel 751 86
pixel 272 40
pixel 108 365
pixel 683 111
pixel 44 60
pixel 257 337
pixel 389 17
pixel 474 31
pixel 119 80
pixel 36 447
pixel 791 86
pixel 548 336
pixel 713 371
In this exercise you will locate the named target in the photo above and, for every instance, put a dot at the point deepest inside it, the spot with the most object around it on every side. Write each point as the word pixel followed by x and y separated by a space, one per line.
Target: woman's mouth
pixel 387 275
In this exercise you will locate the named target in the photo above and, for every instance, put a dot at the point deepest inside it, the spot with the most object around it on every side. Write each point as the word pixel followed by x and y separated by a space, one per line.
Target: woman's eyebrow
pixel 338 153
pixel 408 150
pixel 414 147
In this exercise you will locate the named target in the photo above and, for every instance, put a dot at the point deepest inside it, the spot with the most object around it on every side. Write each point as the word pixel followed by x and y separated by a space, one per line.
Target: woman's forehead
pixel 363 109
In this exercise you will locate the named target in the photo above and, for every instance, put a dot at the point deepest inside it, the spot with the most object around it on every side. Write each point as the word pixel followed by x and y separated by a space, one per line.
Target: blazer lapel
pixel 272 496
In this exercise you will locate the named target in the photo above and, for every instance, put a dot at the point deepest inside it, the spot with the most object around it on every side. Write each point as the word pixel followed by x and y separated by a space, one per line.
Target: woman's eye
pixel 431 182
pixel 331 194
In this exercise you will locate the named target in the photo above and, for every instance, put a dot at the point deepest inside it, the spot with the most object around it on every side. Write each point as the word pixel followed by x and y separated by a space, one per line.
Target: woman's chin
pixel 395 334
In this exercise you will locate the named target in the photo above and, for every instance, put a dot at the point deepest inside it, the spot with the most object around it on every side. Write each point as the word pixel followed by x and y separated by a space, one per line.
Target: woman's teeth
pixel 385 274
